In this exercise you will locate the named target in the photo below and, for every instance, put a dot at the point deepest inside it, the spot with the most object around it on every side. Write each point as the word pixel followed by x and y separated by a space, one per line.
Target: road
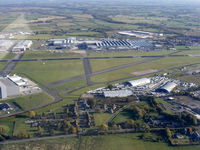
pixel 87 70
pixel 37 139
pixel 81 58
pixel 11 64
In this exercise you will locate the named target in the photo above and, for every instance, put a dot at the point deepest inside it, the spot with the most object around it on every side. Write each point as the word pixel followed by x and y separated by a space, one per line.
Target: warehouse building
pixel 118 93
pixel 140 34
pixel 22 46
pixel 109 43
pixel 8 88
pixel 56 42
pixel 138 82
pixel 167 88
pixel 62 42
pixel 17 80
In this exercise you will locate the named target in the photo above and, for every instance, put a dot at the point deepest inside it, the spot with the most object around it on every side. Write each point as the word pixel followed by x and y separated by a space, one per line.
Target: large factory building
pixel 8 88
pixel 138 82
pixel 22 46
pixel 118 93
pixel 167 88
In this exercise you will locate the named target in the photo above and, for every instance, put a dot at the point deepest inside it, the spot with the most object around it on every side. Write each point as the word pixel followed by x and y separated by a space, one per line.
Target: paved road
pixel 81 58
pixel 87 70
pixel 101 72
pixel 37 139
pixel 11 64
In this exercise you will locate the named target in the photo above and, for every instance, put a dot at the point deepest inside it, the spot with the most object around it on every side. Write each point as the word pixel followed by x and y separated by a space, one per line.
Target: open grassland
pixel 189 52
pixel 2 56
pixel 49 71
pixel 190 78
pixel 123 117
pixel 16 125
pixel 103 142
pixel 129 53
pixel 58 107
pixel 66 88
pixel 45 54
pixel 71 85
pixel 40 37
pixel 161 64
pixel 32 101
pixel 81 91
pixel 99 64
pixel 100 118
pixel 5 56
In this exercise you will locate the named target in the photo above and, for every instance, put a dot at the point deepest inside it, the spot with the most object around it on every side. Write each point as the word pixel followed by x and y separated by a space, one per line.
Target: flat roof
pixel 7 82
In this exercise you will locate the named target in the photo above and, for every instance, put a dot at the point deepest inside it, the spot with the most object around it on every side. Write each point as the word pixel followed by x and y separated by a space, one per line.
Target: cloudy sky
pixel 130 1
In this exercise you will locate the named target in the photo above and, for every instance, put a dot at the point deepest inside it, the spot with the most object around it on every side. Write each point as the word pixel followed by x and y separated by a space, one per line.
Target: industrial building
pixel 62 42
pixel 139 34
pixel 56 42
pixel 138 82
pixel 167 88
pixel 118 93
pixel 8 88
pixel 114 43
pixel 17 80
pixel 22 46
pixel 137 44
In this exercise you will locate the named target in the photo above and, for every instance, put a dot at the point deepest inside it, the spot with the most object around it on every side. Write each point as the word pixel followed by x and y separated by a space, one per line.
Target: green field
pixel 123 117
pixel 108 63
pixel 31 101
pixel 100 118
pixel 191 78
pixel 106 142
pixel 5 56
pixel 45 54
pixel 161 64
pixel 129 53
pixel 49 71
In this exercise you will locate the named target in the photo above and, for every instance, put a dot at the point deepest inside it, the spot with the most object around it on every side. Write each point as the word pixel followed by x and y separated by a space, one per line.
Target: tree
pixel 130 123
pixel 23 135
pixel 52 132
pixel 66 123
pixel 72 130
pixel 110 86
pixel 91 102
pixel 32 114
pixel 168 132
pixel 137 112
pixel 2 130
pixel 104 127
